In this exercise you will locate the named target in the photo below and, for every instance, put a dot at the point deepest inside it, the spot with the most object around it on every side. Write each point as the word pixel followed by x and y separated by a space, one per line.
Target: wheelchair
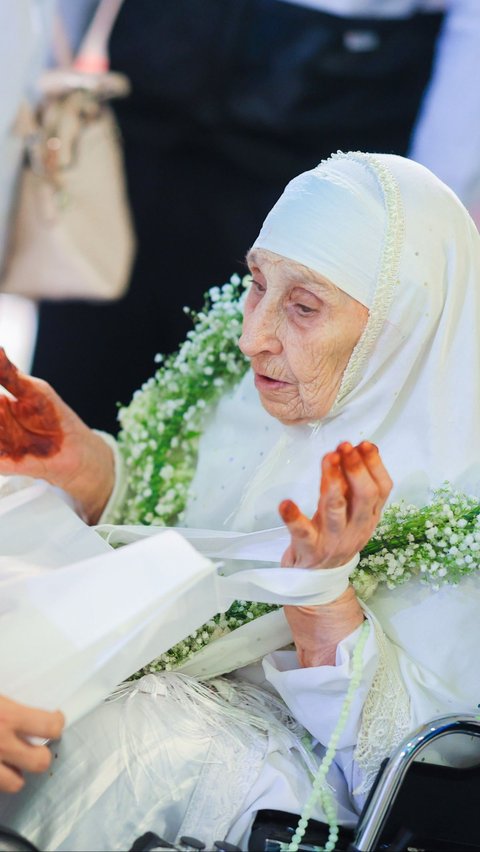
pixel 412 805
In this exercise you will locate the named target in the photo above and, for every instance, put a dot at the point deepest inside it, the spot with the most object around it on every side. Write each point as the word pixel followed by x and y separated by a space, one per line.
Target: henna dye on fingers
pixel 29 424
pixel 10 377
pixel 344 447
pixel 26 430
pixel 333 477
pixel 289 511
pixel 367 448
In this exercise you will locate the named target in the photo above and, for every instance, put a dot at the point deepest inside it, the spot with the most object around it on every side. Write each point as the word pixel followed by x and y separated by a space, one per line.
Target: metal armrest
pixel 385 791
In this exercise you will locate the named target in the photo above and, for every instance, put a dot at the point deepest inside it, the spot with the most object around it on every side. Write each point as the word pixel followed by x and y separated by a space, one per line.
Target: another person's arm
pixel 17 754
pixel 40 436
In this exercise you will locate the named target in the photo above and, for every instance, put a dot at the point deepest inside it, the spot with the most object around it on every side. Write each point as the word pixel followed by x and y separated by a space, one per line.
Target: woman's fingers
pixel 27 430
pixel 29 423
pixel 376 468
pixel 315 541
pixel 331 514
pixel 298 524
pixel 10 377
pixel 363 490
pixel 303 535
pixel 353 490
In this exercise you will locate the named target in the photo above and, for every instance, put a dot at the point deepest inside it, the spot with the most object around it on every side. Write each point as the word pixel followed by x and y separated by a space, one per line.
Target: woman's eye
pixel 259 288
pixel 304 309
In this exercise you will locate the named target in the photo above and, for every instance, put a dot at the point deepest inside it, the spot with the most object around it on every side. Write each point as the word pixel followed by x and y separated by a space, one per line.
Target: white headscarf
pixel 390 234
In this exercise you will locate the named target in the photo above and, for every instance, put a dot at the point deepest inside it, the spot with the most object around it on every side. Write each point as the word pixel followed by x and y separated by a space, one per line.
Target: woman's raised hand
pixel 353 490
pixel 40 436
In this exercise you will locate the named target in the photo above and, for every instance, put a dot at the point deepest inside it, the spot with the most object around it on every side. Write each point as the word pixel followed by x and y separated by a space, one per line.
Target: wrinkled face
pixel 299 331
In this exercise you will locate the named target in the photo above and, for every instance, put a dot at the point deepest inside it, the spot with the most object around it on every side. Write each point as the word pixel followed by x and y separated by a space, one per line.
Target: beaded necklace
pixel 321 792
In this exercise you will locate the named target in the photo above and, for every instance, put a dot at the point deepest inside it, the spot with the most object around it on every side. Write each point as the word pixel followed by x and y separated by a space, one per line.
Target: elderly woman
pixel 361 321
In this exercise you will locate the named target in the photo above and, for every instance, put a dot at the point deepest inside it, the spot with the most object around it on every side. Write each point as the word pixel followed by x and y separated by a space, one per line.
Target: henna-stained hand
pixel 354 488
pixel 29 423
pixel 41 437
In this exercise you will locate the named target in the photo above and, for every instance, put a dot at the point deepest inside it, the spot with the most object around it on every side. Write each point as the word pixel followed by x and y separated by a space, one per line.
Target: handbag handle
pixel 92 55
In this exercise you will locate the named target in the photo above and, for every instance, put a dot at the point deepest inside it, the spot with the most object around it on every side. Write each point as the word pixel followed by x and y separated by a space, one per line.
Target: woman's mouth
pixel 265 383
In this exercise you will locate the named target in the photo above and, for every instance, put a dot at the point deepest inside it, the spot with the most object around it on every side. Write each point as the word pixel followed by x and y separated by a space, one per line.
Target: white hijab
pixel 390 234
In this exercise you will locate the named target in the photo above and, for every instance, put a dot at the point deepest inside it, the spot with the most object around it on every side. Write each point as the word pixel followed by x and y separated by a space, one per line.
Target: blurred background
pixel 229 100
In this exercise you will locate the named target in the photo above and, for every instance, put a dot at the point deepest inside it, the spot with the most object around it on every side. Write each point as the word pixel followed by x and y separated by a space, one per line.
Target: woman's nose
pixel 260 333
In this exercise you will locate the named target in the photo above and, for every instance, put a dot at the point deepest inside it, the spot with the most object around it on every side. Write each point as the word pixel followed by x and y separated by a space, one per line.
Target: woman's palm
pixel 40 436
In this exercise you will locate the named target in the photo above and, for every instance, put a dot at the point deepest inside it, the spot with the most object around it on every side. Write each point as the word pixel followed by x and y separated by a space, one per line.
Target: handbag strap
pixel 92 55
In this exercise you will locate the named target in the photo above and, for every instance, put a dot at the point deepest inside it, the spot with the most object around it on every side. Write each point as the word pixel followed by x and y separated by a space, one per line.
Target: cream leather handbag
pixel 71 233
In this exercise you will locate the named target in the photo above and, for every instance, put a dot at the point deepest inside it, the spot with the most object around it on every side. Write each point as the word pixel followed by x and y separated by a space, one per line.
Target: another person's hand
pixel 17 754
pixel 353 491
pixel 40 436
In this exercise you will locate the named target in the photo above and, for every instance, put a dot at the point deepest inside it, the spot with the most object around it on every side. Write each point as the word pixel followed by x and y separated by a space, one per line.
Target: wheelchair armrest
pixel 387 785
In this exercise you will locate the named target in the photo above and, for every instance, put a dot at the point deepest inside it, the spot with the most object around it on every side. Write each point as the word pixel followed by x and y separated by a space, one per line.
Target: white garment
pixel 404 388
pixel 149 761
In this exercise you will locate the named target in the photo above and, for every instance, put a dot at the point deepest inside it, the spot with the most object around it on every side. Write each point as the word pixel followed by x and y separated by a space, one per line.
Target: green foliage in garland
pixel 161 427
pixel 439 542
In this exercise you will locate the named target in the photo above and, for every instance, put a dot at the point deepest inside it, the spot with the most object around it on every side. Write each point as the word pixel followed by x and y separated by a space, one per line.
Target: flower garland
pixel 161 427
pixel 439 543
pixel 160 432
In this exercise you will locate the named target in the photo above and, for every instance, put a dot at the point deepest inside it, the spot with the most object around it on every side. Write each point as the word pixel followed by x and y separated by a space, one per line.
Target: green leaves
pixel 161 427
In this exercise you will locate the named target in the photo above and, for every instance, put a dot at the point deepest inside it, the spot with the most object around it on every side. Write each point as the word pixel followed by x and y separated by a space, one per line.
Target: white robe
pixel 151 761
pixel 182 766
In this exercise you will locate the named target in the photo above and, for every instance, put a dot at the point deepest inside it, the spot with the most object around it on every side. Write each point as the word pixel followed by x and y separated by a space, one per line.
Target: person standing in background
pixel 25 27
pixel 230 98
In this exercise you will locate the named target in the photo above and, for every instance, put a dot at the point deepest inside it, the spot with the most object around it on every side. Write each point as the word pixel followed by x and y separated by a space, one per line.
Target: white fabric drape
pixel 413 387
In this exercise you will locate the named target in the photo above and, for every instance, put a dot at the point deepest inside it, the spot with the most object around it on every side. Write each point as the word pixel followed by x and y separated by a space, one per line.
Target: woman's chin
pixel 289 410
pixel 283 411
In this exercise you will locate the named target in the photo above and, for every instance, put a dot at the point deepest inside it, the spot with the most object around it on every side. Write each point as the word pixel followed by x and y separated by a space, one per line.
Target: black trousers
pixel 230 100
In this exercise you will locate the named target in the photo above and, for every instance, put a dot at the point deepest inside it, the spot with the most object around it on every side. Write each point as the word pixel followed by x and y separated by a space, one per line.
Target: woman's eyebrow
pixel 299 277
pixel 301 280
